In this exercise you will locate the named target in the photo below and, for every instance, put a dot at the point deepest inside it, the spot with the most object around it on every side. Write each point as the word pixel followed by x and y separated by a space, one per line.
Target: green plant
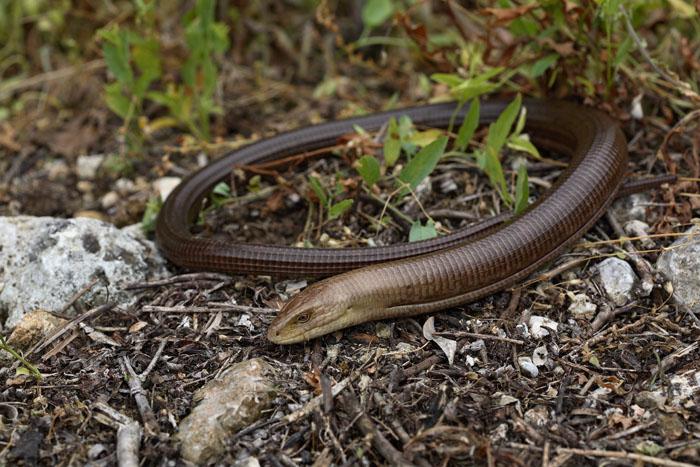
pixel 193 104
pixel 424 149
pixel 135 62
pixel 27 368
pixel 150 215
pixel 134 59
pixel 326 197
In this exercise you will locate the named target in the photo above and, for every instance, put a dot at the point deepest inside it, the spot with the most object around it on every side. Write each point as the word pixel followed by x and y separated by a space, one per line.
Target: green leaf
pixel 449 79
pixel 541 65
pixel 392 143
pixel 594 361
pixel 492 167
pixel 222 189
pixel 465 89
pixel 487 75
pixel 147 58
pixel 471 90
pixel 318 189
pixel 22 371
pixel 521 144
pixel 369 168
pixel 422 232
pixel 466 131
pixel 648 448
pixel 423 163
pixel 522 190
pixel 623 51
pixel 520 126
pixel 254 183
pixel 339 208
pixel 375 12
pixel 116 100
pixel 498 131
pixel 423 138
pixel 118 63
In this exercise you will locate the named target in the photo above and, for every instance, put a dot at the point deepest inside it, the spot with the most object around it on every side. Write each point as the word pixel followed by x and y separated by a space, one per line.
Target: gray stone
pixel 617 279
pixel 45 261
pixel 681 265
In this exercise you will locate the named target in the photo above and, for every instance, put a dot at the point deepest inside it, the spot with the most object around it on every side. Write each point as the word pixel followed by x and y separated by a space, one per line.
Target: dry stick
pixel 604 316
pixel 480 336
pixel 364 423
pixel 177 279
pixel 149 419
pixel 206 309
pixel 629 431
pixel 128 434
pixel 151 365
pixel 623 455
pixel 128 442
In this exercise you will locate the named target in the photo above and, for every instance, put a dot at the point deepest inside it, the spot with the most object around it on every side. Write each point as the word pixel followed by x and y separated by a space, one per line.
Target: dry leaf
pixel 504 16
pixel 448 346
pixel 137 326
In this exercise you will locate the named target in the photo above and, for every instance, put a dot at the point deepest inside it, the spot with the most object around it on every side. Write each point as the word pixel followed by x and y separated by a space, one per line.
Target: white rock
pixel 87 166
pixel 540 355
pixel 636 109
pixel 124 185
pixel 681 265
pixel 46 261
pixel 109 200
pixel 528 367
pixel 581 306
pixel 539 326
pixel 165 185
pixel 617 279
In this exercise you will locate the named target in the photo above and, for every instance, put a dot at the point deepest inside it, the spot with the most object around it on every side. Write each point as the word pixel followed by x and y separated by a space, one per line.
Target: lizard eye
pixel 303 317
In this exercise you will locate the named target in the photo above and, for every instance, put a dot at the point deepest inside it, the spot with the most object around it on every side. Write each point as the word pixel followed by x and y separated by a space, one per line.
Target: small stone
pixel 165 185
pixel 224 406
pixel 617 280
pixel 87 166
pixel 124 185
pixel 528 367
pixel 33 327
pixel 539 326
pixel 540 356
pixel 581 306
pixel 448 185
pixel 109 200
